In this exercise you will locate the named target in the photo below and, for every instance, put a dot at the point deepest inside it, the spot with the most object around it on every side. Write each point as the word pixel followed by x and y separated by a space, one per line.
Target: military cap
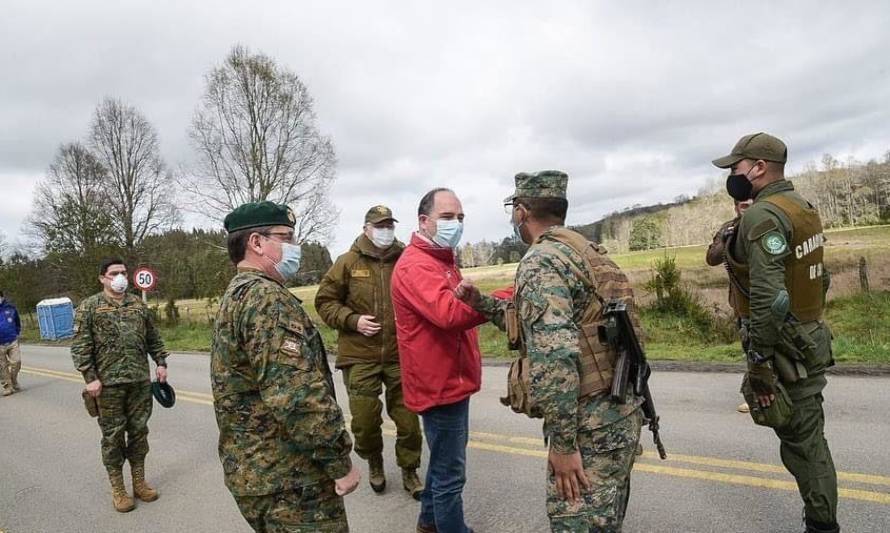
pixel 163 393
pixel 256 214
pixel 755 146
pixel 543 184
pixel 378 213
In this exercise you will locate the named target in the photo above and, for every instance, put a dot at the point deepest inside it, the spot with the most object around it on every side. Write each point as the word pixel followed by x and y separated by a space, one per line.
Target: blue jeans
pixel 446 428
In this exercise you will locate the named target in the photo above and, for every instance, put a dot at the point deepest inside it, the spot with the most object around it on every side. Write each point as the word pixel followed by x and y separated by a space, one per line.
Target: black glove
pixel 762 379
pixel 727 233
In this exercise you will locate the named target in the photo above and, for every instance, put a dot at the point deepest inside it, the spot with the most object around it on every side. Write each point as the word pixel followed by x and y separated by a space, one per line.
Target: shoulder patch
pixel 774 243
pixel 762 228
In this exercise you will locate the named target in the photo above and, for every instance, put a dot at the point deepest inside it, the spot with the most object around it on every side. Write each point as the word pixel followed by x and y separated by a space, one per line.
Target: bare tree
pixel 70 211
pixel 140 191
pixel 256 138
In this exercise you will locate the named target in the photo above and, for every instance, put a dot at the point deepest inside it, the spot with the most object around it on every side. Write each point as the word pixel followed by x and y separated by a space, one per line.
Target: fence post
pixel 863 274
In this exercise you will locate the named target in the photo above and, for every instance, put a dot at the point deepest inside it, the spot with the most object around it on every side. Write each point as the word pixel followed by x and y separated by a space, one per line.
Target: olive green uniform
pixel 282 437
pixel 778 248
pixel 358 284
pixel 111 341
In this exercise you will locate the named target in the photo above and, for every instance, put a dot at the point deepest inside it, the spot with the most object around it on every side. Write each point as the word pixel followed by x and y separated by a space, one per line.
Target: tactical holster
pixel 90 403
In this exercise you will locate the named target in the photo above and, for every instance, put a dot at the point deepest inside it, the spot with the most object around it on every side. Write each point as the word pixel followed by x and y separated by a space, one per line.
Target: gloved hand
pixel 762 379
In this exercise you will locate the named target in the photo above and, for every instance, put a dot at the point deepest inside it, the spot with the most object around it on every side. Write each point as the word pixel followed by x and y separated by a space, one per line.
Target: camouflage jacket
pixel 111 340
pixel 280 427
pixel 551 301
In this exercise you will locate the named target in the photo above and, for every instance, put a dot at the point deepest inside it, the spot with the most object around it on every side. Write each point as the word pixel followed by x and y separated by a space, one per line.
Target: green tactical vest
pixel 803 266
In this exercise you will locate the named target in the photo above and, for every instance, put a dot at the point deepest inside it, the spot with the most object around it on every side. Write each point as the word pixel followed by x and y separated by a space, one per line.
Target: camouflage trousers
pixel 10 364
pixel 364 383
pixel 124 411
pixel 309 509
pixel 608 454
pixel 805 454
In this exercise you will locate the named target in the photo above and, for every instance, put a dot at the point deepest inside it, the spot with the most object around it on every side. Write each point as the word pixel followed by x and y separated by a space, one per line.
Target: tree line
pixel 849 194
pixel 255 137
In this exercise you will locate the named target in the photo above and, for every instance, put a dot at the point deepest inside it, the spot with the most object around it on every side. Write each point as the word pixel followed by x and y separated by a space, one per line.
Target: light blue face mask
pixel 448 233
pixel 291 254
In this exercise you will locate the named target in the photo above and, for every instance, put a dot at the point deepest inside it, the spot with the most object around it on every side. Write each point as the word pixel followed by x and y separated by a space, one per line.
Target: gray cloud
pixel 632 100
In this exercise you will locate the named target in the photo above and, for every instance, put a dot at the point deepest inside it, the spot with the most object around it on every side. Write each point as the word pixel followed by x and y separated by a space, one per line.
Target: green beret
pixel 257 214
pixel 543 184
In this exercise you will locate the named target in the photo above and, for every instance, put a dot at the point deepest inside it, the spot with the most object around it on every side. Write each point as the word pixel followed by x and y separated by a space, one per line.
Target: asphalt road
pixel 723 473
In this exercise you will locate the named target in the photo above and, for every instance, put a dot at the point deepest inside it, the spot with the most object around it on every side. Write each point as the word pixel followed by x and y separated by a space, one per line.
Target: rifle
pixel 631 365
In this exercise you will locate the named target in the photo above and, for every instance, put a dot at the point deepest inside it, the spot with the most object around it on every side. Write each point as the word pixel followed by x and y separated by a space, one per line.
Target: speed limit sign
pixel 145 278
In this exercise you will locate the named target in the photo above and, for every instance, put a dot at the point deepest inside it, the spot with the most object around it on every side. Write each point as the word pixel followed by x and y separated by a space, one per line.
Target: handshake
pixel 467 293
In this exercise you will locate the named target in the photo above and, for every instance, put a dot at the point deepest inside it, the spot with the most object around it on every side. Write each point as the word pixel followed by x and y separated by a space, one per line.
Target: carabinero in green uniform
pixel 282 440
pixel 779 283
pixel 353 297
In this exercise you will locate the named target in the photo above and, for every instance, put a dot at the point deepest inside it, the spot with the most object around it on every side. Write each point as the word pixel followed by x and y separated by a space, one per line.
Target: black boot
pixel 821 527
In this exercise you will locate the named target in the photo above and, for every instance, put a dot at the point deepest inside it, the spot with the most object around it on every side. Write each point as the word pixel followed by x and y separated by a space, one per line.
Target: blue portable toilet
pixel 56 318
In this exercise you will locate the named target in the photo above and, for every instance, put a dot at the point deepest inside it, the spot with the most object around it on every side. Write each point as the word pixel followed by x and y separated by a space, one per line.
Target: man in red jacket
pixel 439 354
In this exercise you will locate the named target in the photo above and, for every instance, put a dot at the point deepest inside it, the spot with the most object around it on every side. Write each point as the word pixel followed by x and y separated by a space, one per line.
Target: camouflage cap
pixel 755 146
pixel 543 184
pixel 256 214
pixel 379 213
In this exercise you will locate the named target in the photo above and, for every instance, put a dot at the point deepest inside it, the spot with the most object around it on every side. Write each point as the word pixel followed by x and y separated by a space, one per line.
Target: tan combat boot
pixel 376 476
pixel 123 503
pixel 141 489
pixel 412 483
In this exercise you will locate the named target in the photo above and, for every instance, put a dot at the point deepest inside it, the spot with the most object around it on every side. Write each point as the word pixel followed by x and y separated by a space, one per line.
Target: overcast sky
pixel 632 99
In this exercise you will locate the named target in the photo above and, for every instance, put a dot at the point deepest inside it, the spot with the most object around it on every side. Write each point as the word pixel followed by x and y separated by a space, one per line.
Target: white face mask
pixel 383 237
pixel 119 283
pixel 448 233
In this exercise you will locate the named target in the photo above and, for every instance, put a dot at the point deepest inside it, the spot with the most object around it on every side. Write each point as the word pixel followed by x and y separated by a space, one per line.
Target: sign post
pixel 145 279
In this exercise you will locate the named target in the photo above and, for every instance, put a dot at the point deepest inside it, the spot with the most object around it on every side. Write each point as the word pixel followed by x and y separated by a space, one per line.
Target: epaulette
pixel 241 288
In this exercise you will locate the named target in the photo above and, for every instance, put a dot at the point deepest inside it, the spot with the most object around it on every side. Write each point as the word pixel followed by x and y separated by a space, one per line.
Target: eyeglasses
pixel 509 207
pixel 286 236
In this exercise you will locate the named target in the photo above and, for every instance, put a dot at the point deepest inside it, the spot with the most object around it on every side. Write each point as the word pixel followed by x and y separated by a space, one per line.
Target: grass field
pixel 860 322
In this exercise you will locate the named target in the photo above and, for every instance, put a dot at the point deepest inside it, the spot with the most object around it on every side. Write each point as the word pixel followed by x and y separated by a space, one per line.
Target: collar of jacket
pixel 364 246
pixel 440 253
pixel 259 272
pixel 547 233
pixel 127 299
pixel 774 187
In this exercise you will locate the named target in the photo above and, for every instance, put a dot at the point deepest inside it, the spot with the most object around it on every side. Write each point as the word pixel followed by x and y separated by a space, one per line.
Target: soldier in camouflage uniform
pixel 593 439
pixel 283 443
pixel 779 286
pixel 113 333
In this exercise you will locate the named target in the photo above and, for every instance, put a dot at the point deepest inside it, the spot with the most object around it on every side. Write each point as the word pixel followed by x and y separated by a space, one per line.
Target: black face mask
pixel 738 186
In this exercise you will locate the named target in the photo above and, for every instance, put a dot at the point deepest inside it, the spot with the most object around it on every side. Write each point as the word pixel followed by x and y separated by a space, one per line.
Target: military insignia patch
pixel 291 347
pixel 774 243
